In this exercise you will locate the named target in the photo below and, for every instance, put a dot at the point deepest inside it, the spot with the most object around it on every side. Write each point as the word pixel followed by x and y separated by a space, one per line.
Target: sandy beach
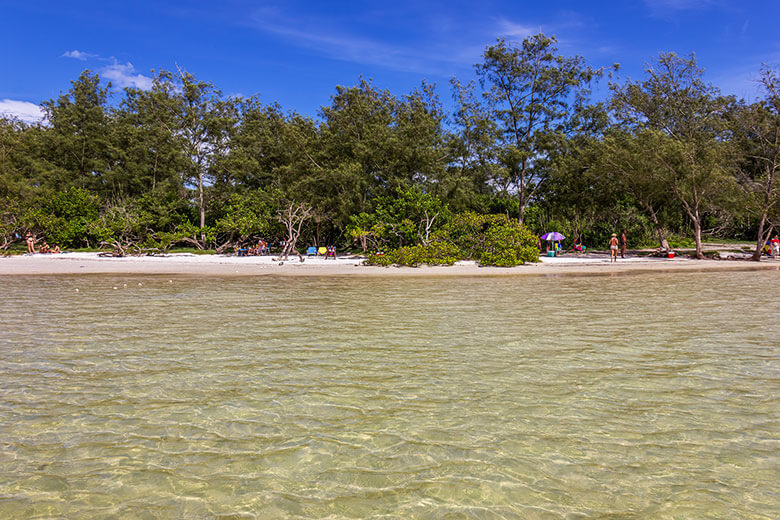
pixel 219 265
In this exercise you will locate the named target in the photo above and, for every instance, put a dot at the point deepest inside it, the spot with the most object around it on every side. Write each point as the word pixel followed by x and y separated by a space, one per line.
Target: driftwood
pixel 293 218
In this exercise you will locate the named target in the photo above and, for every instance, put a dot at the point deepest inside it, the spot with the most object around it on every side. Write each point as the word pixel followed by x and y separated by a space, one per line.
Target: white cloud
pixel 743 81
pixel 78 55
pixel 661 7
pixel 21 110
pixel 120 74
pixel 328 37
pixel 515 30
pixel 124 75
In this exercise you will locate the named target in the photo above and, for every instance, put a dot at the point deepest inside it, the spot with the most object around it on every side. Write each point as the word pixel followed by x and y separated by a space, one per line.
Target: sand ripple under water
pixel 642 396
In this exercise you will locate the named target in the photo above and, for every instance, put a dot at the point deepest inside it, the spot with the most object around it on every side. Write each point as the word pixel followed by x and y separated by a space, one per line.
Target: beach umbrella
pixel 553 236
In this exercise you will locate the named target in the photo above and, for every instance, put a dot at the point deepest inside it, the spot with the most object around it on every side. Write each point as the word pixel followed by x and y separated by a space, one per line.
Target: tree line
pixel 668 158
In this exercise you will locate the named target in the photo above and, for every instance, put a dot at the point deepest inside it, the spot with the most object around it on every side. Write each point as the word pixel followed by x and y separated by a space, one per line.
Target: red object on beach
pixel 671 254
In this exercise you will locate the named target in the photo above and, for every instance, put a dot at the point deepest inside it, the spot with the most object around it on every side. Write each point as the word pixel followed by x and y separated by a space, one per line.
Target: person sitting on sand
pixel 45 247
pixel 56 249
pixel 330 252
pixel 30 243
pixel 613 248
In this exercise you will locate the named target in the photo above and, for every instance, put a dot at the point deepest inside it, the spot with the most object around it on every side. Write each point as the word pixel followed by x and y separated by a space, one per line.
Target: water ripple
pixel 647 396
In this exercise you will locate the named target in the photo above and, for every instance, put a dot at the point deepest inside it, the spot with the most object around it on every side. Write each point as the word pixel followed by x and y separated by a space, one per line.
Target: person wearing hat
pixel 613 248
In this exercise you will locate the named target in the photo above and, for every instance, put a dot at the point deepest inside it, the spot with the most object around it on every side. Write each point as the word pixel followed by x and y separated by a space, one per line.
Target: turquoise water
pixel 640 396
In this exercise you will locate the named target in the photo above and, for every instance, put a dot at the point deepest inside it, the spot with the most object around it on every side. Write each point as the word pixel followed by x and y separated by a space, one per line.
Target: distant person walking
pixel 775 247
pixel 623 243
pixel 613 248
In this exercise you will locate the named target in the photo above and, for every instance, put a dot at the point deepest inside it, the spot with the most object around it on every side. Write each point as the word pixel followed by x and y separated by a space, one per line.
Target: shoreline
pixel 219 265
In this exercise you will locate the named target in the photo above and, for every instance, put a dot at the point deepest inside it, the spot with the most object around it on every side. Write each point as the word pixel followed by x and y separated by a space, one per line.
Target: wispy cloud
pixel 21 110
pixel 743 80
pixel 441 45
pixel 120 74
pixel 516 30
pixel 78 55
pixel 330 38
pixel 666 7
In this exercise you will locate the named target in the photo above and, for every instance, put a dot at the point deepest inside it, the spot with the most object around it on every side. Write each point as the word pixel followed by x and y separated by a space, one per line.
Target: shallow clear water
pixel 641 396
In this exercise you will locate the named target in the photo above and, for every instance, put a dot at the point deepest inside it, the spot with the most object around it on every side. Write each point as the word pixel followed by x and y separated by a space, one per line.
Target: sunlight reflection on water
pixel 652 395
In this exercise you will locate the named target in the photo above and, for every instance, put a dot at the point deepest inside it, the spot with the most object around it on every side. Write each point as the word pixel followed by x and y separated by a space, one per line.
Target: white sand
pixel 219 265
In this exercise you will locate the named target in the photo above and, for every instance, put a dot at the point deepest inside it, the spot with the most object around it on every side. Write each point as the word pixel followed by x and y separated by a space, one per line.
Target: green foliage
pixel 491 240
pixel 410 216
pixel 181 164
pixel 246 215
pixel 680 242
pixel 438 252
pixel 68 218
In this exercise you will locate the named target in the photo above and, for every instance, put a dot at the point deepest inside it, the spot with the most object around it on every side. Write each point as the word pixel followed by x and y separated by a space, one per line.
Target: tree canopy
pixel 667 157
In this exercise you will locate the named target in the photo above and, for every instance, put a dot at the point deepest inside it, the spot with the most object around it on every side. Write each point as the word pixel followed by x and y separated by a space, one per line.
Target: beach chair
pixel 322 250
pixel 312 251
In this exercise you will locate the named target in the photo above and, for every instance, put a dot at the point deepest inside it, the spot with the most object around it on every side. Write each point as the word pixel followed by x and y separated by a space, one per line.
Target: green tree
pixel 12 157
pixel 205 122
pixel 79 146
pixel 151 147
pixel 373 143
pixel 628 159
pixel 690 146
pixel 533 94
pixel 471 149
pixel 407 217
pixel 757 138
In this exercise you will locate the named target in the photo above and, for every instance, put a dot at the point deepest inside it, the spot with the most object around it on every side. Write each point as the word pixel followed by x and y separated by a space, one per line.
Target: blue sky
pixel 296 52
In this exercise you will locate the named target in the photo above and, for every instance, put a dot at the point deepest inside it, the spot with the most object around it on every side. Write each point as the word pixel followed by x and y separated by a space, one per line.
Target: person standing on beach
pixel 775 247
pixel 623 243
pixel 30 243
pixel 613 248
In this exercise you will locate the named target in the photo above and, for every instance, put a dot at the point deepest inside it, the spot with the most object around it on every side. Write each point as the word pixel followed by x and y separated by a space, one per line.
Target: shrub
pixel 68 218
pixel 491 240
pixel 438 252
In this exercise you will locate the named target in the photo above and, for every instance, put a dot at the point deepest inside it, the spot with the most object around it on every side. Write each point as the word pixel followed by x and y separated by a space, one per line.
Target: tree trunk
pixel 662 239
pixel 762 238
pixel 202 208
pixel 658 229
pixel 693 213
pixel 697 230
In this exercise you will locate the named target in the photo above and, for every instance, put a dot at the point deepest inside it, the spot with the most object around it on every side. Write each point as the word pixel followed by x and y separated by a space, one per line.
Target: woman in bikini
pixel 613 248
pixel 30 243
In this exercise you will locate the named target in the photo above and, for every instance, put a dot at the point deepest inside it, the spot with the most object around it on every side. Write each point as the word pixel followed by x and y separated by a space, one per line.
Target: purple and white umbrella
pixel 553 236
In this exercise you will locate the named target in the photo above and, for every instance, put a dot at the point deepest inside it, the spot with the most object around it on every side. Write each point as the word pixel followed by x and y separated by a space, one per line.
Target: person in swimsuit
pixel 30 243
pixel 623 243
pixel 613 248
